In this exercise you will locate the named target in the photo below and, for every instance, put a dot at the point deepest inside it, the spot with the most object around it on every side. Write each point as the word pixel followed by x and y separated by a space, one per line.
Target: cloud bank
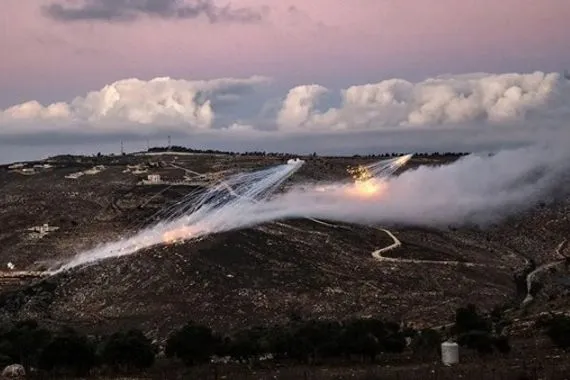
pixel 446 100
pixel 133 105
pixel 461 112
pixel 131 10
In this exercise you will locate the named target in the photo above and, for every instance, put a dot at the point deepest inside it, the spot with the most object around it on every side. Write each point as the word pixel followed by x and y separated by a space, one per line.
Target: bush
pixel 125 351
pixel 23 343
pixel 502 344
pixel 69 352
pixel 558 330
pixel 427 342
pixel 482 341
pixel 467 319
pixel 192 344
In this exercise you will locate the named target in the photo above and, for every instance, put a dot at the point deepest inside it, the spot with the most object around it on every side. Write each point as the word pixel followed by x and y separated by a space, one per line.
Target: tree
pixel 502 344
pixel 367 337
pixel 192 344
pixel 557 328
pixel 426 342
pixel 316 339
pixel 24 342
pixel 467 319
pixel 249 343
pixel 482 341
pixel 69 352
pixel 125 351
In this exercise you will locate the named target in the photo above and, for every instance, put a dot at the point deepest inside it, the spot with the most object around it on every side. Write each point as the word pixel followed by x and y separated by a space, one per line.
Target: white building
pixel 153 178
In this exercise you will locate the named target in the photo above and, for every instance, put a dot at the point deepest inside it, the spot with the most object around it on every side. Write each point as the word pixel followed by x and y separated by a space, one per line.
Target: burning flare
pixel 365 184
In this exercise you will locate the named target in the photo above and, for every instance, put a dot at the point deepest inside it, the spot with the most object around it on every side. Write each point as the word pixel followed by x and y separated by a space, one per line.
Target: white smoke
pixel 475 189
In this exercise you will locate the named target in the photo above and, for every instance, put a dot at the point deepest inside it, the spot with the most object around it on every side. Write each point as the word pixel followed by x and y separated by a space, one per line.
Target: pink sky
pixel 335 41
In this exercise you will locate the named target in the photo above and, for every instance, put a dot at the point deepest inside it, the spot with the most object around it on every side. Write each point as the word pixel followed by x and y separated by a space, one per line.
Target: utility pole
pixel 169 142
pixel 122 148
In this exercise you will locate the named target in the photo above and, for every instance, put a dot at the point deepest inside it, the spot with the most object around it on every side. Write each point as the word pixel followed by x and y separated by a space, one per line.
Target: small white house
pixel 153 178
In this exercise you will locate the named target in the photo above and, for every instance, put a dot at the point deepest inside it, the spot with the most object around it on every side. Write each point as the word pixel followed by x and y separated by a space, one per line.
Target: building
pixel 154 178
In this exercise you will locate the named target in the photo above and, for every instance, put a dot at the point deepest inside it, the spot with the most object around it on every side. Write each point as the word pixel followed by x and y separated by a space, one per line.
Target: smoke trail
pixel 209 213
pixel 474 189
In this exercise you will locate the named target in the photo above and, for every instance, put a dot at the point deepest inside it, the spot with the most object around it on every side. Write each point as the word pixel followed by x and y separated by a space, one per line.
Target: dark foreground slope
pixel 254 276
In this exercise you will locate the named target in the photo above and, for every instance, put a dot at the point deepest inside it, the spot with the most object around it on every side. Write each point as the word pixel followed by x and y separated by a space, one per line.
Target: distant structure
pixel 28 171
pixel 153 179
pixel 74 175
pixel 95 170
pixel 567 74
pixel 122 148
pixel 43 229
pixel 38 232
pixel 169 143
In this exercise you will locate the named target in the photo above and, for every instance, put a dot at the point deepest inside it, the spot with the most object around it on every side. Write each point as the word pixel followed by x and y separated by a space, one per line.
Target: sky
pixel 325 75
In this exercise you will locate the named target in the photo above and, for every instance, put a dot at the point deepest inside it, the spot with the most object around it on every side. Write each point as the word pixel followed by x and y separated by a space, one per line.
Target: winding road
pixel 377 254
pixel 532 275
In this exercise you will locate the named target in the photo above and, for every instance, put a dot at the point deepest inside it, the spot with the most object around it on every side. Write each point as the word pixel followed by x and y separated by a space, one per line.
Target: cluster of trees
pixel 68 352
pixel 313 341
pixel 310 341
pixel 182 149
pixel 483 333
pixel 557 328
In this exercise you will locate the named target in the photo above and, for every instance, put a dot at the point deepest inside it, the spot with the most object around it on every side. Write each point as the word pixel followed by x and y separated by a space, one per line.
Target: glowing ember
pixel 360 173
pixel 367 188
pixel 365 185
pixel 179 234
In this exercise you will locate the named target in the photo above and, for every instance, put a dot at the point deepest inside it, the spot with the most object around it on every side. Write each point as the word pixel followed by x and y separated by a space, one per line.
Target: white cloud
pixel 299 105
pixel 450 100
pixel 133 105
pixel 221 106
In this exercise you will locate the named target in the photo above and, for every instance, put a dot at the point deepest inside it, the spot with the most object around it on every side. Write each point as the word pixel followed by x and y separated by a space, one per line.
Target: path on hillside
pixel 541 268
pixel 396 243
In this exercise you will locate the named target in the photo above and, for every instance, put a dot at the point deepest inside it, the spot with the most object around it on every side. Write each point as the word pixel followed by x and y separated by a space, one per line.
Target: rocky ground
pixel 259 275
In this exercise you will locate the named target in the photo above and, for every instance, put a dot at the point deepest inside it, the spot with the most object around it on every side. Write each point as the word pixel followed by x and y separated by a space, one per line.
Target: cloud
pixel 446 100
pixel 130 10
pixel 132 105
pixel 451 113
pixel 299 105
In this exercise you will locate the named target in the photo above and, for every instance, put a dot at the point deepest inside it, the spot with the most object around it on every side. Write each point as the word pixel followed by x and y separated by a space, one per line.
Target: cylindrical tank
pixel 449 353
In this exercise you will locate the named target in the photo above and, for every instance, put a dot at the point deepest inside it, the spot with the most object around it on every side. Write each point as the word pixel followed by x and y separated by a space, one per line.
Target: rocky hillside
pixel 254 276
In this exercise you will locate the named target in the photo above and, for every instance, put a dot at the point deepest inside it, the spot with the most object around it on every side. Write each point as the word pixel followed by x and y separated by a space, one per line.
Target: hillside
pixel 253 276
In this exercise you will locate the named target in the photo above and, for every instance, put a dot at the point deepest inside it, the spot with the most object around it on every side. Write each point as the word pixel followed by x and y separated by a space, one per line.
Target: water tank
pixel 449 353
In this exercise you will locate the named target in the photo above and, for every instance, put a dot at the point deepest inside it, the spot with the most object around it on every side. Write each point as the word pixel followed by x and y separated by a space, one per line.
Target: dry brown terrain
pixel 259 275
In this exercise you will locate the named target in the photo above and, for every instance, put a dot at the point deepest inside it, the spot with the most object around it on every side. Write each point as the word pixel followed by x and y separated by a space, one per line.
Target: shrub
pixel 69 352
pixel 125 351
